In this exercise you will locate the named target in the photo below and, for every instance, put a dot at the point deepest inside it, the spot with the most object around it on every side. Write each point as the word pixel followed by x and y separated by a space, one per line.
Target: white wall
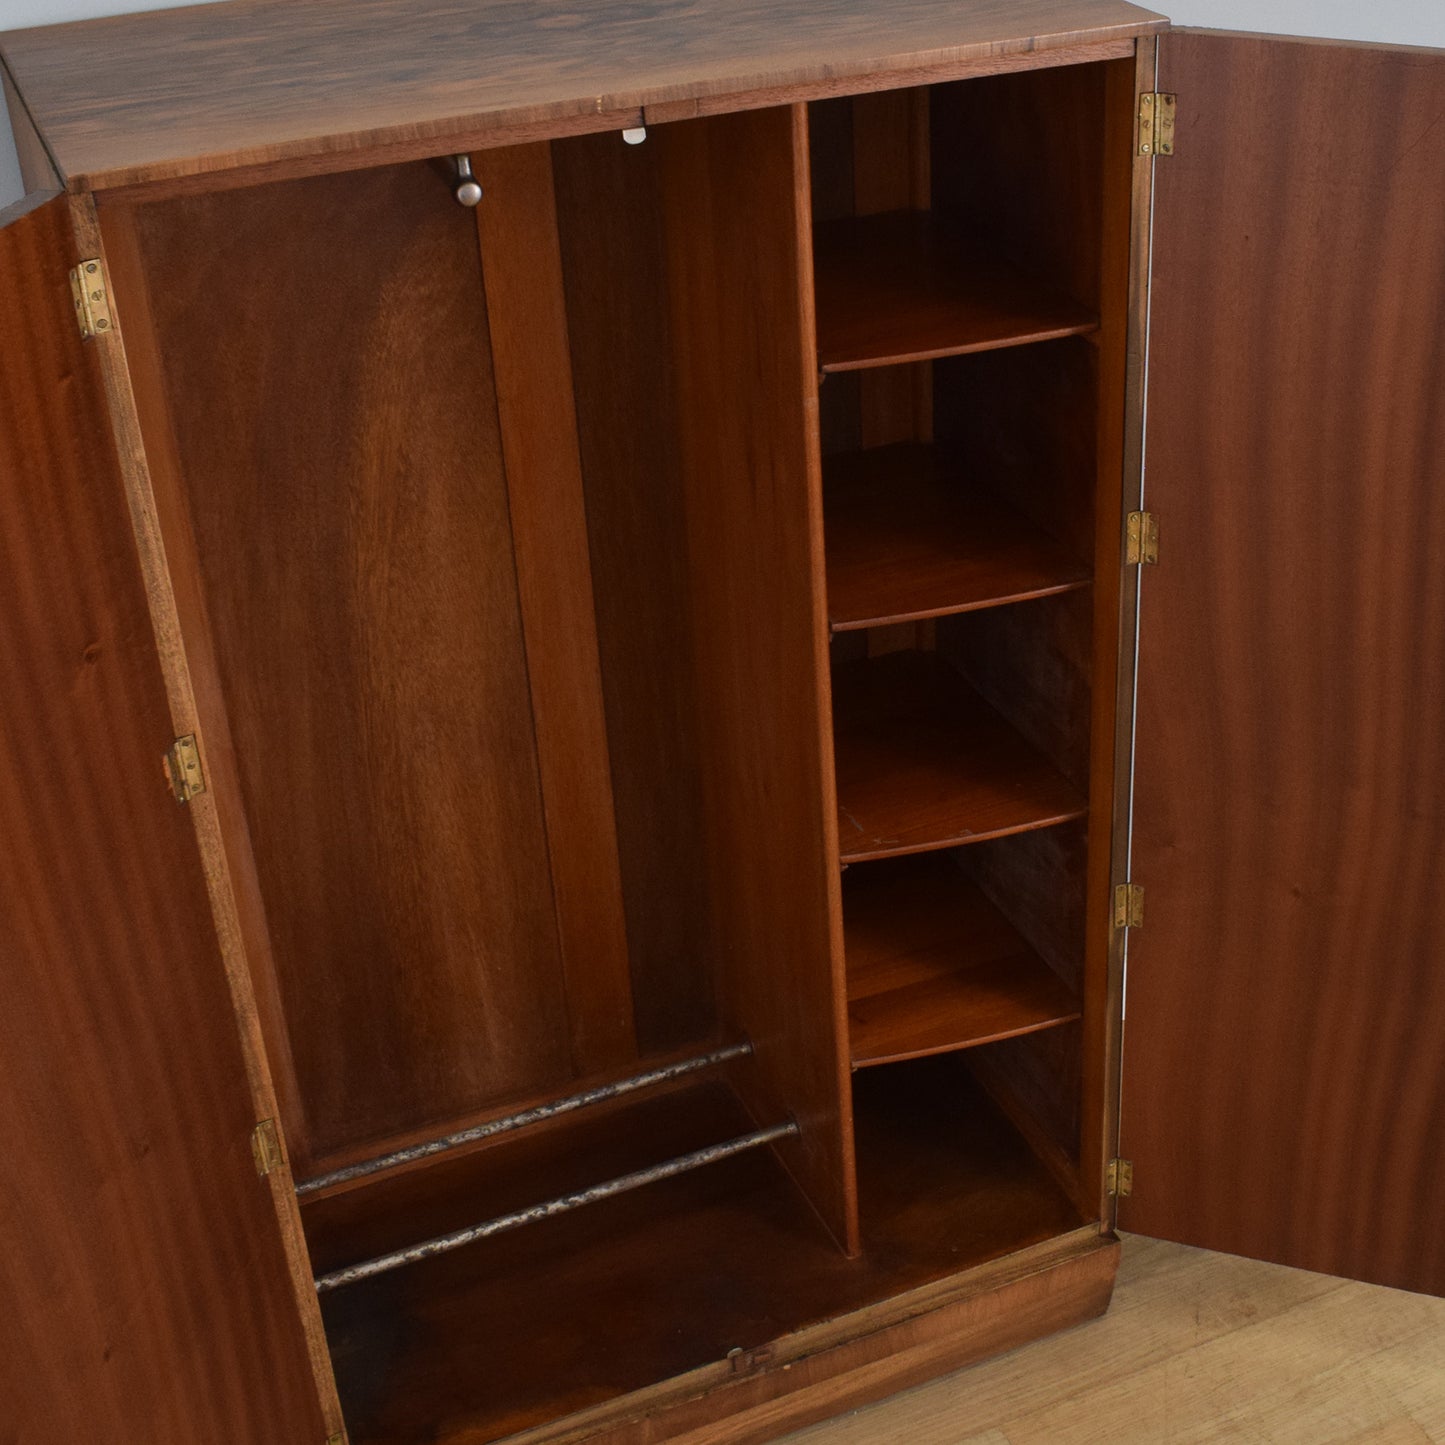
pixel 1393 22
pixel 1397 22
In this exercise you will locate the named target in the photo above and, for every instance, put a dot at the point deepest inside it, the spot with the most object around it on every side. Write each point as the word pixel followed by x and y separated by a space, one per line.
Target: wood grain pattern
pixel 526 310
pixel 576 1313
pixel 924 763
pixel 1027 418
pixel 614 256
pixel 367 637
pixel 152 1288
pixel 876 1352
pixel 1019 159
pixel 735 204
pixel 1195 1343
pixel 890 154
pixel 184 92
pixel 912 534
pixel 899 287
pixel 934 966
pixel 267 1073
pixel 1283 1089
pixel 1041 164
pixel 161 519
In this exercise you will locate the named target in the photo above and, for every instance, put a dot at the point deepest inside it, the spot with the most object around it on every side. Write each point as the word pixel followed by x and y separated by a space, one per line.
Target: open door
pixel 146 1291
pixel 1284 1047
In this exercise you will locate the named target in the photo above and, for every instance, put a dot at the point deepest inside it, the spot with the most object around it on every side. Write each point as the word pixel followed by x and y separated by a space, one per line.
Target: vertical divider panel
pixel 522 273
pixel 737 227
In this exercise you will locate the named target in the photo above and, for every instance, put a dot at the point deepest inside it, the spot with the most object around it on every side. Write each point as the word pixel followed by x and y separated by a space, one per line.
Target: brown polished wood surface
pixel 144 1281
pixel 912 533
pixel 194 90
pixel 890 172
pixel 934 966
pixel 614 261
pixel 900 287
pixel 923 762
pixel 526 313
pixel 346 489
pixel 735 219
pixel 576 1311
pixel 1283 1088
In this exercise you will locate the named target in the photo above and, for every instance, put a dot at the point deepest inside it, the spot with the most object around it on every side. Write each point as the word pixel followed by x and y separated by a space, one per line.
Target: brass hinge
pixel 337 1439
pixel 92 299
pixel 1141 539
pixel 183 768
pixel 266 1147
pixel 1129 905
pixel 1119 1178
pixel 1156 123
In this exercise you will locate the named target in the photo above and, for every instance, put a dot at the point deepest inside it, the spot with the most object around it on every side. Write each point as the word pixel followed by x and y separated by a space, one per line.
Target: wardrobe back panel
pixel 326 355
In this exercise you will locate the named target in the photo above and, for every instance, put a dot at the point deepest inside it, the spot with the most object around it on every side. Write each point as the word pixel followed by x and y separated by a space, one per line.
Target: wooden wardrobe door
pixel 146 1295
pixel 1284 1045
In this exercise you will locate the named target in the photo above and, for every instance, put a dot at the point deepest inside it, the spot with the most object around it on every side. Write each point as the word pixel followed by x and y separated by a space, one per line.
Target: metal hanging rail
pixel 443 1243
pixel 550 1110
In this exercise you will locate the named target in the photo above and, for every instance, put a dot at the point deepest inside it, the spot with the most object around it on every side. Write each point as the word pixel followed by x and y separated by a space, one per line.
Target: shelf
pixel 923 762
pixel 513 1332
pixel 933 966
pixel 910 535
pixel 899 287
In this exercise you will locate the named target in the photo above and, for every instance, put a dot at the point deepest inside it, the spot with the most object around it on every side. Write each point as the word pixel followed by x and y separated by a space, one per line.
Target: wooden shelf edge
pixel 934 967
pixel 914 532
pixel 924 763
pixel 902 287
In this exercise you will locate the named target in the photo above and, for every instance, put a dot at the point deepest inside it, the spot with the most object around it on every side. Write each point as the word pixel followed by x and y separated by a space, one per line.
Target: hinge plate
pixel 92 297
pixel 1156 123
pixel 1119 1178
pixel 266 1147
pixel 1141 539
pixel 1129 905
pixel 183 768
pixel 337 1439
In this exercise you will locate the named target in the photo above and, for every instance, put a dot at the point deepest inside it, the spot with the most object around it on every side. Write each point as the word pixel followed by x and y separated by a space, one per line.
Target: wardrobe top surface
pixel 319 85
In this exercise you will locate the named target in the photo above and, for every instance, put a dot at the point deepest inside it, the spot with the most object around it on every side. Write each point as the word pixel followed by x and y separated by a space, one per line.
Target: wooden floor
pixel 1196 1347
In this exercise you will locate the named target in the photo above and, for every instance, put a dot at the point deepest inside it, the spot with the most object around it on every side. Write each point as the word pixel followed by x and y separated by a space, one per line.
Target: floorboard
pixel 1197 1347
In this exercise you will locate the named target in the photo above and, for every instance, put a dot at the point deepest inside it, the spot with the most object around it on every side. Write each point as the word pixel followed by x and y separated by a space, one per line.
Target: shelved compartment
pixel 935 966
pixel 923 762
pixel 911 286
pixel 958 218
pixel 968 257
pixel 913 532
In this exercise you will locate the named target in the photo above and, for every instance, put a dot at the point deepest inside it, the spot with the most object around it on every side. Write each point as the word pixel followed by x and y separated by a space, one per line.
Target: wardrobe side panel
pixel 146 1291
pixel 735 214
pixel 1283 1089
